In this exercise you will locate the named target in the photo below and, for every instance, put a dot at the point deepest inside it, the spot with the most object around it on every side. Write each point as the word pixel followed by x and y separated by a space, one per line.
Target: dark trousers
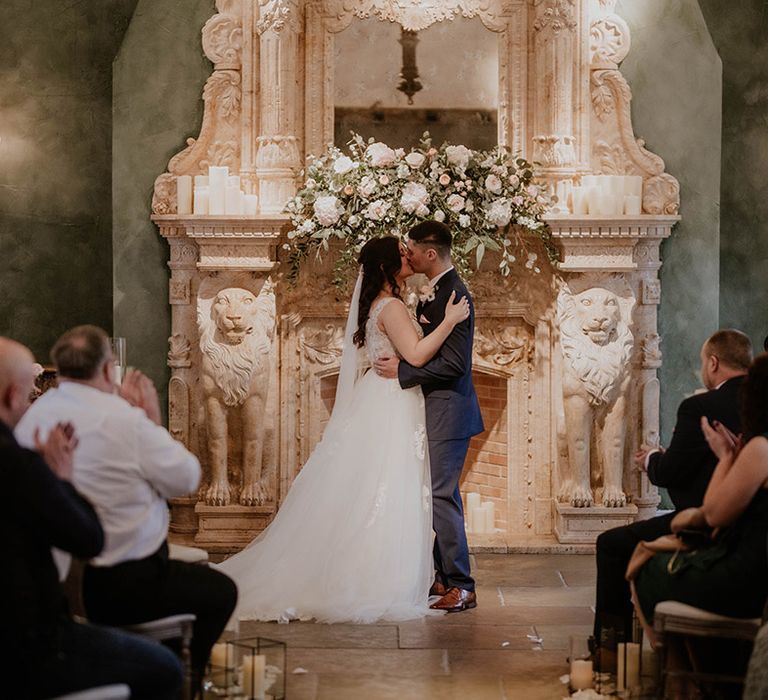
pixel 450 551
pixel 86 656
pixel 613 605
pixel 155 587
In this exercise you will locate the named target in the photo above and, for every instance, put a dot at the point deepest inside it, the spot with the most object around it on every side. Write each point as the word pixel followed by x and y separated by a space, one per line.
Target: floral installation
pixel 488 198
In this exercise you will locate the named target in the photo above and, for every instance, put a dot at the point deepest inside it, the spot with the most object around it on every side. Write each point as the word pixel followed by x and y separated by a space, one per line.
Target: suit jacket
pixel 687 465
pixel 40 511
pixel 453 411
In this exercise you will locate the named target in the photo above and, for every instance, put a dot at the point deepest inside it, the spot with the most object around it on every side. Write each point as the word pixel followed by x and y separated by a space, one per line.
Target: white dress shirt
pixel 124 464
pixel 436 278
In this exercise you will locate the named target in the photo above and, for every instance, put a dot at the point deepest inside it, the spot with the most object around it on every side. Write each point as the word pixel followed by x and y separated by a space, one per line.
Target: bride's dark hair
pixel 381 261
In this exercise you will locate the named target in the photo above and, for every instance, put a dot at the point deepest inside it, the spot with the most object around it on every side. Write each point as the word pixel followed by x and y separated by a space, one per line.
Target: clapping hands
pixel 722 441
pixel 138 390
pixel 58 449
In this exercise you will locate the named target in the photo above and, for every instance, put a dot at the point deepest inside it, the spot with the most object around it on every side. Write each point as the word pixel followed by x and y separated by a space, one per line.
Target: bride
pixel 352 541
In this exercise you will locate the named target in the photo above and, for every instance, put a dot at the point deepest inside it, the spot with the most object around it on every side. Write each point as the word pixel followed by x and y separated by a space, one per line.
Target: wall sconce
pixel 409 74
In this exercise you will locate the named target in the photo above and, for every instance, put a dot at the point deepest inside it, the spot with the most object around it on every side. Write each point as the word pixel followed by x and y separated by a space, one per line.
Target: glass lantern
pixel 248 668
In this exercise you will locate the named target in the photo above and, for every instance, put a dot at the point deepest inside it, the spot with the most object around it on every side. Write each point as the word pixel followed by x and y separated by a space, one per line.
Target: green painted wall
pixel 739 30
pixel 675 75
pixel 55 165
pixel 158 81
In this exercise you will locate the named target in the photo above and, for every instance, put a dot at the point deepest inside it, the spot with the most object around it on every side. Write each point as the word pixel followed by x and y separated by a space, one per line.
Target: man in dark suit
pixel 684 469
pixel 453 412
pixel 44 651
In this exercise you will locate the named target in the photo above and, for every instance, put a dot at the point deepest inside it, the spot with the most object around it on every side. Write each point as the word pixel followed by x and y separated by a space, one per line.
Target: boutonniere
pixel 427 293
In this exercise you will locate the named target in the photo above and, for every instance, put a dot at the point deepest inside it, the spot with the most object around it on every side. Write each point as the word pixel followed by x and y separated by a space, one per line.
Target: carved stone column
pixel 560 80
pixel 278 160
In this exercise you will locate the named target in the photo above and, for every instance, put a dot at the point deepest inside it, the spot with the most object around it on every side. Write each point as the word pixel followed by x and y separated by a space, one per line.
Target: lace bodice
pixel 377 342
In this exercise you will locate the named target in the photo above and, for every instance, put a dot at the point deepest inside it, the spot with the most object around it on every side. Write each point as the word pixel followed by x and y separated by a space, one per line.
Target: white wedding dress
pixel 352 542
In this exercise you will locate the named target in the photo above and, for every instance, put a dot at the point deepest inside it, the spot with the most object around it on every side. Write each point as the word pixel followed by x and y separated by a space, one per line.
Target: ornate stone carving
pixel 236 333
pixel 650 408
pixel 651 291
pixel 651 351
pixel 178 291
pixel 596 345
pixel 274 15
pixel 503 346
pixel 179 351
pixel 324 345
pixel 556 15
pixel 608 40
pixel 178 410
pixel 661 195
pixel 223 40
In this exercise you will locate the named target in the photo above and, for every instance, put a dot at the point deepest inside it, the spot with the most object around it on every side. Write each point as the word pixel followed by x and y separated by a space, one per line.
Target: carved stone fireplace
pixel 562 390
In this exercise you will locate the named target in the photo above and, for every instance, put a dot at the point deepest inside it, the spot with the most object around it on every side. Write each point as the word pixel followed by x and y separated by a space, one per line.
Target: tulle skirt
pixel 352 541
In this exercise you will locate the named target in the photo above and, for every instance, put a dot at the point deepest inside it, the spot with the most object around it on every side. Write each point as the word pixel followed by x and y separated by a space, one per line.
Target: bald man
pixel 45 653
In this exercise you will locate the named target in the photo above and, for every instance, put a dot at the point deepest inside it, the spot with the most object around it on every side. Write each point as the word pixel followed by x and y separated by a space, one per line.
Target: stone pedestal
pixel 583 525
pixel 224 529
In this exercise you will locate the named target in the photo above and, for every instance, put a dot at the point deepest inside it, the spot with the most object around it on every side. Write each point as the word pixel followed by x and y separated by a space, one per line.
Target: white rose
pixel 380 155
pixel 376 211
pixel 463 220
pixel 493 184
pixel 367 186
pixel 422 210
pixel 307 227
pixel 455 203
pixel 415 160
pixel 439 215
pixel 403 171
pixel 353 220
pixel 343 164
pixel 533 190
pixel 414 196
pixel 458 156
pixel 499 212
pixel 327 210
pixel 309 184
pixel 514 180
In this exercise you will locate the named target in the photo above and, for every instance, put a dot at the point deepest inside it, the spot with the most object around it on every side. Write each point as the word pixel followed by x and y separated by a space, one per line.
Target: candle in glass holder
pixel 221 658
pixel 184 194
pixel 201 201
pixel 581 674
pixel 254 676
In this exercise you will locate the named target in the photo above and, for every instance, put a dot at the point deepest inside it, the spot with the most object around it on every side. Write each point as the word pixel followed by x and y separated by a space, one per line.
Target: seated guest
pixel 684 469
pixel 127 465
pixel 728 577
pixel 45 652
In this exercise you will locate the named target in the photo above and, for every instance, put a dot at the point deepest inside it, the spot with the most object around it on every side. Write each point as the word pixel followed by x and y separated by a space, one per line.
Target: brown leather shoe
pixel 438 589
pixel 456 600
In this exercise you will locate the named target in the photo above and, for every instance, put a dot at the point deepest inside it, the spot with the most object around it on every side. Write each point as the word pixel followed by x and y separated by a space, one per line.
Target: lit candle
pixel 621 683
pixel 632 205
pixel 251 204
pixel 478 520
pixel 220 660
pixel 201 201
pixel 581 674
pixel 633 665
pixel 184 194
pixel 254 679
pixel 489 517
pixel 217 181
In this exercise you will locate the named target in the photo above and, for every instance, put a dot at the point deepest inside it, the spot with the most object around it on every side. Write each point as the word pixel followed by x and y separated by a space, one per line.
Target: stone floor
pixel 512 646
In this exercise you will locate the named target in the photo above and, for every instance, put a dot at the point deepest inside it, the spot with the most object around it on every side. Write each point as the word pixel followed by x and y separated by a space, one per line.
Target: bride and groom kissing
pixel 353 540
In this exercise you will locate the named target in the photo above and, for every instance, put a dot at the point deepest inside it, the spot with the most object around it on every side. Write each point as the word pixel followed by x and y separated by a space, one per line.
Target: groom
pixel 453 413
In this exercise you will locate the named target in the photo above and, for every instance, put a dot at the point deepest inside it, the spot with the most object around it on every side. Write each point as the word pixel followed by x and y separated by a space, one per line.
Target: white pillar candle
pixel 633 665
pixel 580 200
pixel 581 674
pixel 604 203
pixel 590 180
pixel 217 181
pixel 201 201
pixel 232 202
pixel 184 194
pixel 478 520
pixel 621 683
pixel 593 200
pixel 616 184
pixel 473 500
pixel 233 181
pixel 489 517
pixel 254 680
pixel 633 184
pixel 201 181
pixel 251 204
pixel 632 205
pixel 221 658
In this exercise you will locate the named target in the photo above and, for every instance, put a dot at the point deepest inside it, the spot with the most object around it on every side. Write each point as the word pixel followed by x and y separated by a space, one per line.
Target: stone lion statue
pixel 597 345
pixel 235 344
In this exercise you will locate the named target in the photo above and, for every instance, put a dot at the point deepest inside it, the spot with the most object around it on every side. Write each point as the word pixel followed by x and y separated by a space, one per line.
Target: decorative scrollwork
pixel 504 347
pixel 556 15
pixel 661 195
pixel 179 351
pixel 223 40
pixel 322 346
pixel 609 40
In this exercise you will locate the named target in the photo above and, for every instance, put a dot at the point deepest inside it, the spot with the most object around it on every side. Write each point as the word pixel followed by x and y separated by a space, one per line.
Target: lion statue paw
pixel 254 494
pixel 613 497
pixel 217 494
pixel 576 495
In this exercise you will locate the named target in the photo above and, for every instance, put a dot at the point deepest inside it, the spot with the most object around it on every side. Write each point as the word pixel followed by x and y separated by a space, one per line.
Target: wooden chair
pixel 673 621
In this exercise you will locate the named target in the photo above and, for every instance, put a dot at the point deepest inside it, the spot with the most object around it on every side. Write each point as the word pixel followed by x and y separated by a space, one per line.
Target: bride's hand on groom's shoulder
pixel 456 311
pixel 386 367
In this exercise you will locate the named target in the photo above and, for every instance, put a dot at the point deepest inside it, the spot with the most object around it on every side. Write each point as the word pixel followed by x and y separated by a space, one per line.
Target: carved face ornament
pixel 598 314
pixel 233 311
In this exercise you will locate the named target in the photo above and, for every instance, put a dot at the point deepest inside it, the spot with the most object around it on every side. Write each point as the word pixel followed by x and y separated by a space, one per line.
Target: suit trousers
pixel 451 553
pixel 154 587
pixel 613 604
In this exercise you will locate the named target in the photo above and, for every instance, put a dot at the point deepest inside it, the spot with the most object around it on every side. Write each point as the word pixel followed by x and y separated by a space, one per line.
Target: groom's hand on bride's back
pixel 386 367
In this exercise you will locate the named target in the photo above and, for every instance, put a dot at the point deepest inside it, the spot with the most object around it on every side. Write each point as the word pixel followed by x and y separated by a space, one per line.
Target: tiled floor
pixel 489 653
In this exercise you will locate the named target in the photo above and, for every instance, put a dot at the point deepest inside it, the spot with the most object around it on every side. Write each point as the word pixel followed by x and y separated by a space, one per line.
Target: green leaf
pixel 480 253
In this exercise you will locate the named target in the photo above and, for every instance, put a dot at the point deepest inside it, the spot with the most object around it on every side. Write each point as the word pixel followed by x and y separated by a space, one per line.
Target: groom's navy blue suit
pixel 453 417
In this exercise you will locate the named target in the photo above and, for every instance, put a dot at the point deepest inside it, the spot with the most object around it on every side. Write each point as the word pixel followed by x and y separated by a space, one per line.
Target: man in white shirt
pixel 127 465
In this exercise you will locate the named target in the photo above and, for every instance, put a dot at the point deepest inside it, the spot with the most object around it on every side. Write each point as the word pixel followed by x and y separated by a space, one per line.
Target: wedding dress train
pixel 353 539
